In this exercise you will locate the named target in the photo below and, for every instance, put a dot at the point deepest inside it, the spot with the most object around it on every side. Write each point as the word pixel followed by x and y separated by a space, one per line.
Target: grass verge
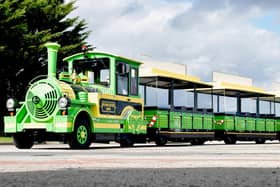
pixel 6 140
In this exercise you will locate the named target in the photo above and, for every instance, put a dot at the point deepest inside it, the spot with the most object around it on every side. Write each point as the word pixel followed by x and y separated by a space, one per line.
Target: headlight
pixel 63 102
pixel 11 103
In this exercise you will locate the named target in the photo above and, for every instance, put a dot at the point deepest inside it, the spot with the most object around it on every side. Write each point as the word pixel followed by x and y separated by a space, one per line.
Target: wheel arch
pixel 84 114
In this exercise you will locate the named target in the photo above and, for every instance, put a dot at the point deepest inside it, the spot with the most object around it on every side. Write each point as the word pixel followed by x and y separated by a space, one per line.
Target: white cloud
pixel 216 37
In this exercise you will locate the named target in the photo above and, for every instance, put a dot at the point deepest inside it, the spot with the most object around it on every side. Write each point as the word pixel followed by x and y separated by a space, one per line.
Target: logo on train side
pixel 108 107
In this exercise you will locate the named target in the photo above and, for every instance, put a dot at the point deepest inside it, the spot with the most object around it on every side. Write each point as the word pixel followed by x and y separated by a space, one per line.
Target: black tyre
pixel 23 140
pixel 230 140
pixel 197 141
pixel 160 141
pixel 126 141
pixel 260 141
pixel 81 137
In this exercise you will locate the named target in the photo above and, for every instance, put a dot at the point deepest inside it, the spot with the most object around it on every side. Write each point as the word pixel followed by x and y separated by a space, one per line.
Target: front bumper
pixel 59 124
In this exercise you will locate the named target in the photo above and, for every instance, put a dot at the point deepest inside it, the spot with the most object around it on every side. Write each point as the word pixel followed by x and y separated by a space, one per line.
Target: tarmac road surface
pixel 213 164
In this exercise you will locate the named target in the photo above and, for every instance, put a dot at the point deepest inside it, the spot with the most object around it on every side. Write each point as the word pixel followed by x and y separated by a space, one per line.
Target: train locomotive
pixel 97 99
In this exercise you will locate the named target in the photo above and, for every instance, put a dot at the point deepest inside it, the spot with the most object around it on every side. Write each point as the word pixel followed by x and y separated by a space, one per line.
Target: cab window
pixel 122 78
pixel 134 81
pixel 97 70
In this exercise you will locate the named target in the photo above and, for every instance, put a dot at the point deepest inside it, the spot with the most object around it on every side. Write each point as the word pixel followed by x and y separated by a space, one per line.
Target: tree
pixel 25 26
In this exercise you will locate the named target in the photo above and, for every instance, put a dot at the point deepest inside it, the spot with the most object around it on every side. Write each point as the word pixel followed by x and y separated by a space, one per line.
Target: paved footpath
pixel 213 164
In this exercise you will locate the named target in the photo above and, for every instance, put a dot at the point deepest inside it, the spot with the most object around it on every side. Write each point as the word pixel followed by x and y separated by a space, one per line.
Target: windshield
pixel 96 70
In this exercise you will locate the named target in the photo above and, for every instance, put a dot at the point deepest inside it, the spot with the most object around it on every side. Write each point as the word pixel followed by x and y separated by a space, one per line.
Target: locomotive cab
pixel 105 72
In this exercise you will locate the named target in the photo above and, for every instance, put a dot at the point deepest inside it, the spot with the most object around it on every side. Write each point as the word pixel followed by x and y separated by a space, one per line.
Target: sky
pixel 240 37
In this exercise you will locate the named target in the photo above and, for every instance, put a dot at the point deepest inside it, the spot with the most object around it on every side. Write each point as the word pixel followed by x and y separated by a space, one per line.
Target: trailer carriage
pixel 240 123
pixel 177 122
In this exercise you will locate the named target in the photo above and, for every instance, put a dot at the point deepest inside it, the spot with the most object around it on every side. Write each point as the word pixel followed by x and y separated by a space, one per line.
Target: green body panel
pixel 175 120
pixel 217 122
pixel 240 123
pixel 260 124
pixel 10 124
pixel 270 126
pixel 208 121
pixel 180 120
pixel 187 121
pixel 135 124
pixel 228 122
pixel 197 121
pixel 107 125
pixel 63 124
pixel 162 118
pixel 250 124
pixel 277 125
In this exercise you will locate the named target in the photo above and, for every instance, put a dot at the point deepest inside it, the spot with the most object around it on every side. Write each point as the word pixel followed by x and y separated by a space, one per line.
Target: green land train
pixel 97 99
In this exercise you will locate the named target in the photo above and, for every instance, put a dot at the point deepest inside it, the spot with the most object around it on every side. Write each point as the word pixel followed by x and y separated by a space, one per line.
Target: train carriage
pixel 176 122
pixel 239 124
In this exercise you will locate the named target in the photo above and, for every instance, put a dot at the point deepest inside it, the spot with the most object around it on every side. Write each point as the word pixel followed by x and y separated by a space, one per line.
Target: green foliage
pixel 25 26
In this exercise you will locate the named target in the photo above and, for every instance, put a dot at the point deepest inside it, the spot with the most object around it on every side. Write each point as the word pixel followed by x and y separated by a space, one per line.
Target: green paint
pixel 250 124
pixel 208 121
pixel 175 120
pixel 260 124
pixel 82 134
pixel 52 58
pixel 270 126
pixel 197 121
pixel 240 123
pixel 187 121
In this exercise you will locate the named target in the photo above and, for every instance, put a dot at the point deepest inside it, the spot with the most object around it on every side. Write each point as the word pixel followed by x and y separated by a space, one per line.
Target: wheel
pixel 126 141
pixel 81 137
pixel 260 141
pixel 230 140
pixel 197 141
pixel 23 140
pixel 160 141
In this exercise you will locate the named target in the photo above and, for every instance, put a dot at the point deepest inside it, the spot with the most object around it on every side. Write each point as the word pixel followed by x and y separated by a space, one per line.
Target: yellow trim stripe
pixel 238 87
pixel 188 78
pixel 63 125
pixel 107 125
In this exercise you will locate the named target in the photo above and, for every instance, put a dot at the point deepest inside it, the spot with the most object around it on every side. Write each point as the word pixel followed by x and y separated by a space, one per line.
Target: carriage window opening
pixel 97 70
pixel 122 78
pixel 134 82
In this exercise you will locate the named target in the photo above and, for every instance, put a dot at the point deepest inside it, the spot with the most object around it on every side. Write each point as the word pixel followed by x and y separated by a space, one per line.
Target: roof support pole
pixel 274 106
pixel 270 107
pixel 258 105
pixel 171 95
pixel 145 94
pixel 218 103
pixel 212 100
pixel 195 98
pixel 238 104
